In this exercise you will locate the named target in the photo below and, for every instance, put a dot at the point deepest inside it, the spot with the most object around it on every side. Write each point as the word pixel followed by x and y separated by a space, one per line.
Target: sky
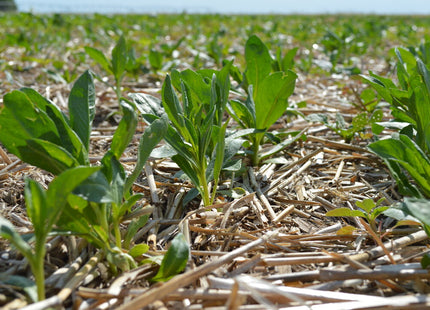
pixel 228 6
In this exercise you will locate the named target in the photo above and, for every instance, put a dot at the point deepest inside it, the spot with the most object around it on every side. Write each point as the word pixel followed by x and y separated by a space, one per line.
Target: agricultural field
pixel 214 162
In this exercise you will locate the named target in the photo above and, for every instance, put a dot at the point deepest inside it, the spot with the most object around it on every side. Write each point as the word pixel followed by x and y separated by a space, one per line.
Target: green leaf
pixel 132 64
pixel 346 230
pixel 271 99
pixel 27 285
pixel 82 107
pixel 381 85
pixel 153 260
pixel 171 105
pixel 422 106
pixel 62 186
pixel 219 155
pixel 258 61
pixel 223 82
pixel 147 104
pixel 102 235
pixel 405 58
pixel 183 148
pixel 188 170
pixel 119 59
pixel 233 165
pixel 36 205
pixel 138 250
pixel 288 60
pixel 318 118
pixel 359 122
pixel 241 114
pixel 68 138
pixel 194 135
pixel 192 193
pixel 406 187
pixel 367 96
pixel 99 57
pixel 376 116
pixel 282 145
pixel 377 211
pixel 199 90
pixel 395 213
pixel 96 188
pixel 47 155
pixel 8 232
pixel 155 59
pixel 132 229
pixel 21 120
pixel 367 205
pixel 125 130
pixel 232 146
pixel 219 89
pixel 78 218
pixel 377 129
pixel 402 150
pixel 345 212
pixel 129 203
pixel 175 260
pixel 164 151
pixel 115 174
pixel 148 141
pixel 420 209
pixel 425 261
pixel 120 260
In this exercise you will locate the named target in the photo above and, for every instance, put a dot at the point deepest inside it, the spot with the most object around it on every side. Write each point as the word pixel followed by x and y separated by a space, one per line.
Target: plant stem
pixel 117 233
pixel 204 187
pixel 213 195
pixel 206 195
pixel 255 148
pixel 36 264
pixel 103 217
pixel 118 92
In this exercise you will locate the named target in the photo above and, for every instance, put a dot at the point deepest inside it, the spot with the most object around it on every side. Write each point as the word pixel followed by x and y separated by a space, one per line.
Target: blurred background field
pixel 226 7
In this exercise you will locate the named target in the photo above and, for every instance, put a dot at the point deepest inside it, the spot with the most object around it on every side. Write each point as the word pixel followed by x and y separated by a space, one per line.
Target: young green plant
pixel 409 149
pixel 44 208
pixel 122 58
pixel 197 129
pixel 410 99
pixel 267 99
pixel 358 125
pixel 369 211
pixel 36 131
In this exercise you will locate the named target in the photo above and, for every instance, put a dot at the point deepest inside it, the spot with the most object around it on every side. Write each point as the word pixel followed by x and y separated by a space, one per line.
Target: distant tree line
pixel 7 5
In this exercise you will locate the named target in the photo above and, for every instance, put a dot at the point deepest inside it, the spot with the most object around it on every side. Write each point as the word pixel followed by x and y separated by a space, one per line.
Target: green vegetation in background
pixel 57 41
